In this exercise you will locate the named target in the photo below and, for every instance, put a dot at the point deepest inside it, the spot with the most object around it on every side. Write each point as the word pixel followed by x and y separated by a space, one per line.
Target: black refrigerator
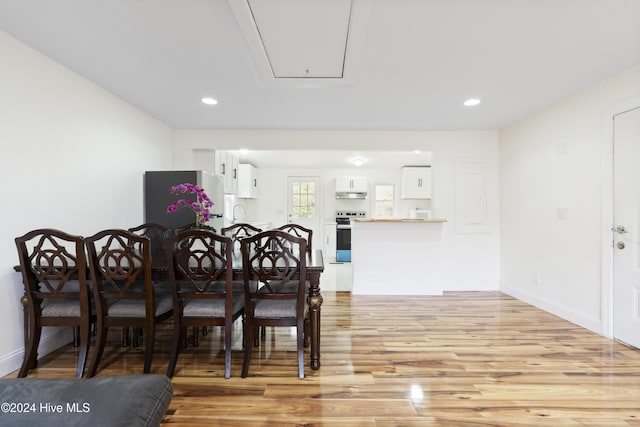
pixel 157 197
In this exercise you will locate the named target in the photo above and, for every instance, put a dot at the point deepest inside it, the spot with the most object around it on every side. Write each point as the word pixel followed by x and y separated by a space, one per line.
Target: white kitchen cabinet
pixel 351 184
pixel 220 163
pixel 226 166
pixel 329 249
pixel 247 181
pixel 233 176
pixel 416 182
pixel 337 276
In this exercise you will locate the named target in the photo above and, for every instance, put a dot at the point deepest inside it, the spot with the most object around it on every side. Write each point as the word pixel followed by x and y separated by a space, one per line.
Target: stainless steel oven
pixel 343 234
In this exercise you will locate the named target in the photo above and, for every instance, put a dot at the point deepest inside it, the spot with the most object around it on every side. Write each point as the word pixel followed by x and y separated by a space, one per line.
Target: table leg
pixel 315 302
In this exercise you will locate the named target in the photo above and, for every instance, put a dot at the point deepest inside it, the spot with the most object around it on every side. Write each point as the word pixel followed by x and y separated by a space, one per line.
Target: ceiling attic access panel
pixel 303 38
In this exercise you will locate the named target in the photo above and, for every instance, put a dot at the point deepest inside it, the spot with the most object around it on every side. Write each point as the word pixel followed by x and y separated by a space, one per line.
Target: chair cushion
pixel 136 308
pixel 124 400
pixel 211 307
pixel 274 308
pixel 61 308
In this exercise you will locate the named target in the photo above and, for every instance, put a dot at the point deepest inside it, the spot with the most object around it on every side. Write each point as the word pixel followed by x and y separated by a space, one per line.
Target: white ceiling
pixel 409 64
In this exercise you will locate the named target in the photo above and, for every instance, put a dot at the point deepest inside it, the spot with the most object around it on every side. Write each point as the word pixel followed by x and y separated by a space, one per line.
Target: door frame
pixel 606 233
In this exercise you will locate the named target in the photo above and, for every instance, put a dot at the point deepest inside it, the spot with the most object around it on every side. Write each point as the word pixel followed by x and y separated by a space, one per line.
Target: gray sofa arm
pixel 123 400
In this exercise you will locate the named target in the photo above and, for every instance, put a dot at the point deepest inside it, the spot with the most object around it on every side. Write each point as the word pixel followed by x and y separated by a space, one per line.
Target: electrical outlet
pixel 536 278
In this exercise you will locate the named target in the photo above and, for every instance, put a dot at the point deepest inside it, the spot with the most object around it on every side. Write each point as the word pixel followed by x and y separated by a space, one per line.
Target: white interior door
pixel 626 233
pixel 303 204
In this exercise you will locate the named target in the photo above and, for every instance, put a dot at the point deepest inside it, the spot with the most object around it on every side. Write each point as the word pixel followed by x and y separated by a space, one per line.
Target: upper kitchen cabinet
pixel 247 181
pixel 351 187
pixel 355 184
pixel 416 182
pixel 226 166
pixel 233 185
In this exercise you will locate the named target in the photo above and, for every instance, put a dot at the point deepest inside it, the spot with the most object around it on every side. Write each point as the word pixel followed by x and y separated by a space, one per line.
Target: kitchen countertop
pixel 418 220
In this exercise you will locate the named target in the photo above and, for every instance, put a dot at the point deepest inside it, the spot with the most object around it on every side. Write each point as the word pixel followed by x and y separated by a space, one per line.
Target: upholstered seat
pixel 137 308
pixel 274 308
pixel 211 308
pixel 63 308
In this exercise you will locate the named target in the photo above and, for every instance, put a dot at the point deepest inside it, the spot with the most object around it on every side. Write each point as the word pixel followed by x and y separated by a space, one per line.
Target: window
pixel 303 199
pixel 383 203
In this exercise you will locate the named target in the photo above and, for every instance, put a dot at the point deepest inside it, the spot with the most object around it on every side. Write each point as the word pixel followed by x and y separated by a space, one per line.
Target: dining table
pixel 315 267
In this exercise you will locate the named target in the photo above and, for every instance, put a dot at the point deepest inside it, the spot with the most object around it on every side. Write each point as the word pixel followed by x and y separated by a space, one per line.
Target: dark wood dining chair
pixel 274 287
pixel 121 275
pixel 177 230
pixel 299 231
pixel 238 232
pixel 307 234
pixel 157 234
pixel 53 268
pixel 204 293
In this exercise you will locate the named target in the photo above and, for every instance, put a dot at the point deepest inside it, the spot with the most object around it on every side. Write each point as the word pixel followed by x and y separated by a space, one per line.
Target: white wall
pixel 550 167
pixel 471 259
pixel 72 158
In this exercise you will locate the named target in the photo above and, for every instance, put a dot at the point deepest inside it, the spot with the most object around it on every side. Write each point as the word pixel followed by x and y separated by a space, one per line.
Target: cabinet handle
pixel 235 173
pixel 255 182
pixel 224 169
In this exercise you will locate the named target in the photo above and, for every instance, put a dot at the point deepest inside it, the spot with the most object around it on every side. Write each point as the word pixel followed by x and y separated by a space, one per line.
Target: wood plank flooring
pixel 462 359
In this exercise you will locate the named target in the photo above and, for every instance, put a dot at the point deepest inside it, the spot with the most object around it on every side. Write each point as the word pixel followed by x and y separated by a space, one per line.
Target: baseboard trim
pixel 562 311
pixel 12 361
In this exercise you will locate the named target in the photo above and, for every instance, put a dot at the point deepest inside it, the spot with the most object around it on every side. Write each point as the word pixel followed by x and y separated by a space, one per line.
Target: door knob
pixel 620 229
pixel 620 245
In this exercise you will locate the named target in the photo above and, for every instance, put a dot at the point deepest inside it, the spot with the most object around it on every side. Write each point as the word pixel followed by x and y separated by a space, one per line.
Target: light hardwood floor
pixel 462 359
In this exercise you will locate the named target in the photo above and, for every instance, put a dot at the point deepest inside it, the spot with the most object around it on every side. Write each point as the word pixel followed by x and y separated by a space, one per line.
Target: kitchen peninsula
pixel 397 256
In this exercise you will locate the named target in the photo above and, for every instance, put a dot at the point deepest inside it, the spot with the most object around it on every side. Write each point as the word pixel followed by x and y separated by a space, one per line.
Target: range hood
pixel 351 187
pixel 351 194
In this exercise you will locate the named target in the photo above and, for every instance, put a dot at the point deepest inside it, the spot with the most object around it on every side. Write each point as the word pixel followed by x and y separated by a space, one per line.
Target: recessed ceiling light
pixel 471 102
pixel 209 101
pixel 358 162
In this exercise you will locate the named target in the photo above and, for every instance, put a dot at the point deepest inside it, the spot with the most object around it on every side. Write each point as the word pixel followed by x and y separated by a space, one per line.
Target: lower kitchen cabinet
pixel 329 247
pixel 337 276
